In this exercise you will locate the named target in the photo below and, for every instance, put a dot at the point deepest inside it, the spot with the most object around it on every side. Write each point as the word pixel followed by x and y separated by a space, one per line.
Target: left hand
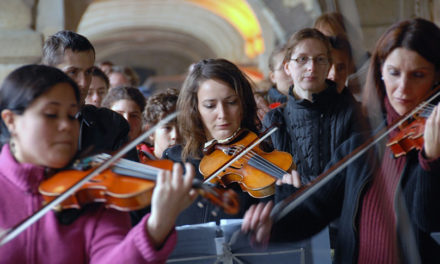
pixel 293 179
pixel 172 194
pixel 432 134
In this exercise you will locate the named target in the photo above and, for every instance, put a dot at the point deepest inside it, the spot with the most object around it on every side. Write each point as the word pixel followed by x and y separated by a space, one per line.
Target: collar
pixel 25 176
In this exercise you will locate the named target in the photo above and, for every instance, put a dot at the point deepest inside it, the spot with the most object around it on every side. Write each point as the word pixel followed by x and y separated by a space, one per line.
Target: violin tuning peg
pixel 200 204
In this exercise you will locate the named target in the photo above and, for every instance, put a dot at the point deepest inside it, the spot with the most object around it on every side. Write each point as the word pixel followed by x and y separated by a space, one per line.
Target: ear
pixel 287 68
pixel 272 76
pixel 9 118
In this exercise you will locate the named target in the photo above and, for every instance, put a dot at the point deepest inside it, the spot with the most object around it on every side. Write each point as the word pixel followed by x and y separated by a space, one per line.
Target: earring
pixel 381 77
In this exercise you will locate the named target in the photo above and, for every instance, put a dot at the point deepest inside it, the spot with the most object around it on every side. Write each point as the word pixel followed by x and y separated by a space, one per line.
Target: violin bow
pixel 284 207
pixel 9 234
pixel 240 154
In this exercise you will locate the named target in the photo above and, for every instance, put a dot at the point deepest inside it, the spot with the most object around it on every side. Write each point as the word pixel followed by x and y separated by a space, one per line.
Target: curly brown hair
pixel 159 106
pixel 189 121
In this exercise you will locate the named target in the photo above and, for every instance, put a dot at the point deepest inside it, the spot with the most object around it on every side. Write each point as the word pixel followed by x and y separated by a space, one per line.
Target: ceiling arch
pixel 161 27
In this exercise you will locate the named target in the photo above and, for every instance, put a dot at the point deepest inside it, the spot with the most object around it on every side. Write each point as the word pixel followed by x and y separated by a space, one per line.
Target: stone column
pixel 19 43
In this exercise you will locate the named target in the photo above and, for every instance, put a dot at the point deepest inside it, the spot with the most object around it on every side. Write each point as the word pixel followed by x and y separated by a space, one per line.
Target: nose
pixel 404 85
pixel 221 111
pixel 65 124
pixel 311 64
pixel 173 134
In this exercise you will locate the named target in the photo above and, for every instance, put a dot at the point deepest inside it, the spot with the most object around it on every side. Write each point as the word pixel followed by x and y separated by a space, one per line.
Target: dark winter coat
pixel 311 131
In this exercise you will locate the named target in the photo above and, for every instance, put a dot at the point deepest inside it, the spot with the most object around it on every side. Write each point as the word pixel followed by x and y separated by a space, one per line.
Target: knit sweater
pixel 99 235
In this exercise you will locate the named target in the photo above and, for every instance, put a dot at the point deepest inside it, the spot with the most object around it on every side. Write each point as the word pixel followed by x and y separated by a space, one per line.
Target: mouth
pixel 403 101
pixel 223 126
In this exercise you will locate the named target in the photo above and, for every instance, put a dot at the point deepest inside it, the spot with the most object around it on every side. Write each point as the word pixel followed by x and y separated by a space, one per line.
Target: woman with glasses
pixel 316 118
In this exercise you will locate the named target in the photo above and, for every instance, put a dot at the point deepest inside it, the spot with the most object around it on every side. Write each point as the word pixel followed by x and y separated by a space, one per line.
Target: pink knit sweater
pixel 97 236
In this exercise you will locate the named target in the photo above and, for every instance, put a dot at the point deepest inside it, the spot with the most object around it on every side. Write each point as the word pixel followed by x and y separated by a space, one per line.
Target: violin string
pixel 262 164
pixel 141 170
pixel 276 171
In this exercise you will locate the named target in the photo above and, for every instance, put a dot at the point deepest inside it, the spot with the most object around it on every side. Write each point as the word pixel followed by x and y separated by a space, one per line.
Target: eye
pixel 51 115
pixel 72 72
pixel 209 106
pixel 321 60
pixel 233 102
pixel 393 72
pixel 302 59
pixel 418 74
pixel 89 71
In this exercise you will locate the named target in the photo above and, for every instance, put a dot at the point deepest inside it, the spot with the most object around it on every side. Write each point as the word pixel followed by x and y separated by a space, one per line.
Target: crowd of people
pixel 381 208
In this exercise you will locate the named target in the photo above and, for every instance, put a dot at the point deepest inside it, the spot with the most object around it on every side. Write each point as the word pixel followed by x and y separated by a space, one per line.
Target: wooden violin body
pixel 126 186
pixel 410 137
pixel 115 191
pixel 256 172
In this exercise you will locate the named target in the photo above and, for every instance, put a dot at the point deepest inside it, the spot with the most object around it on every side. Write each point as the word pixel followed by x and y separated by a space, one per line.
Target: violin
pixel 410 135
pixel 125 186
pixel 256 172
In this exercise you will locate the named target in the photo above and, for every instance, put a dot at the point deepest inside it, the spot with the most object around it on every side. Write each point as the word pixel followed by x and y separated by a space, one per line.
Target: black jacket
pixel 342 196
pixel 201 211
pixel 101 130
pixel 311 131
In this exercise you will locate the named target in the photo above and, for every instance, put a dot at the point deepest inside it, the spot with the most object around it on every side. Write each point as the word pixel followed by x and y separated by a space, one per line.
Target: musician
pixel 387 206
pixel 39 131
pixel 215 101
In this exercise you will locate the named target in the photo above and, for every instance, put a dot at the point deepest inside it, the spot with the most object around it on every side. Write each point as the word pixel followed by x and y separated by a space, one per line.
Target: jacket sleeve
pixel 425 209
pixel 280 138
pixel 110 242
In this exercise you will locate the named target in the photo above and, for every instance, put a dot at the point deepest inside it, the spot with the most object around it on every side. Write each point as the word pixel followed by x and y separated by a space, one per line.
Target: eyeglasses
pixel 303 60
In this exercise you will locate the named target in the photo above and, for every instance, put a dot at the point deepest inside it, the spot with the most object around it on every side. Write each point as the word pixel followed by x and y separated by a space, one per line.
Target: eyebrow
pixel 226 98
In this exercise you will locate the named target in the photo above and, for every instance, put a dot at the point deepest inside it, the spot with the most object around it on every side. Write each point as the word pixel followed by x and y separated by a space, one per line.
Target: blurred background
pixel 160 39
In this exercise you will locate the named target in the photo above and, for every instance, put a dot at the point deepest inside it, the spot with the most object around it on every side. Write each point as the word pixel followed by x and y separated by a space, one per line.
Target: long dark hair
pixel 419 35
pixel 189 121
pixel 22 86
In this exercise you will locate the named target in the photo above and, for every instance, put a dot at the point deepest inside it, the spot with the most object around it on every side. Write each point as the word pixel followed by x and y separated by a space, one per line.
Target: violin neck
pixel 132 169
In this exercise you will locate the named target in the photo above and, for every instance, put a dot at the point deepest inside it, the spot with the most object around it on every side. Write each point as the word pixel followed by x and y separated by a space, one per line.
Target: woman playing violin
pixel 215 101
pixel 387 206
pixel 39 131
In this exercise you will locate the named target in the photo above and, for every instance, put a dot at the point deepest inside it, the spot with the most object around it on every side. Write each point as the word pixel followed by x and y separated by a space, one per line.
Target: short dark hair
pixel 55 46
pixel 25 84
pixel 124 93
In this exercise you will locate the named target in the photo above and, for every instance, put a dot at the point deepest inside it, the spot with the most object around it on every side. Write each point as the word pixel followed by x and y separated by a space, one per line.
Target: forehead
pixel 407 59
pixel 125 105
pixel 62 93
pixel 212 88
pixel 78 59
pixel 310 46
